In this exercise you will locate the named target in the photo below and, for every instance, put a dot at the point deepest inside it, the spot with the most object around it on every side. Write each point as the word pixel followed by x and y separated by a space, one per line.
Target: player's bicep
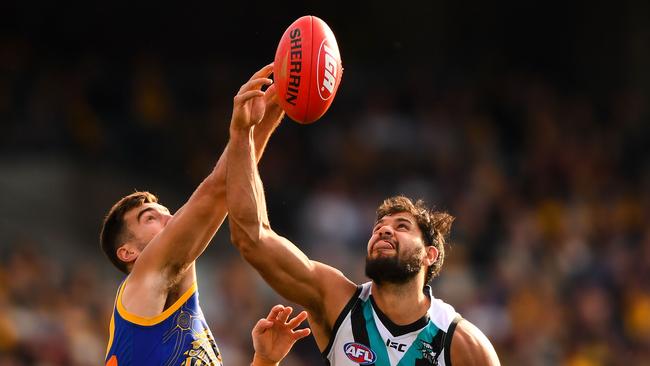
pixel 185 235
pixel 284 267
pixel 291 273
pixel 470 347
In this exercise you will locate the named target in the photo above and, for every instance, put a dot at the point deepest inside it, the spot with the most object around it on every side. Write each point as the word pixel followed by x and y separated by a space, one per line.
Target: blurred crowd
pixel 549 254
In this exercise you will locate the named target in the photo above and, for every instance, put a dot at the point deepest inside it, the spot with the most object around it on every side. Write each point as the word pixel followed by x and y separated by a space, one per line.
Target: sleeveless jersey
pixel 178 336
pixel 363 335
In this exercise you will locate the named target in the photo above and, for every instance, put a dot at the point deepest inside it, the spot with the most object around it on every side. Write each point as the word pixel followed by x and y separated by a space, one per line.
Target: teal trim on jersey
pixel 376 342
pixel 415 352
pixel 379 346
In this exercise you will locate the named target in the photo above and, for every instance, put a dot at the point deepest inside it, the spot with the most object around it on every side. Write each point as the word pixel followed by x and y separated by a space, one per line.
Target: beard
pixel 396 269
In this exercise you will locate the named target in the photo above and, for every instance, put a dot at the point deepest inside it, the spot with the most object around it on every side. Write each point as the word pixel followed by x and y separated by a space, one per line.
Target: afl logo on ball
pixel 359 353
pixel 327 69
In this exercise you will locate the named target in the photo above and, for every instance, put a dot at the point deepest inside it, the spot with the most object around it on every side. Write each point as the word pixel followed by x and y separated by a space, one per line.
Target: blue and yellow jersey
pixel 178 336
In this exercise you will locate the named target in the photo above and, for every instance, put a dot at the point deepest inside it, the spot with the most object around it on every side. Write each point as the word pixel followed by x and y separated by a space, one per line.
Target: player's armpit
pixel 470 347
pixel 322 290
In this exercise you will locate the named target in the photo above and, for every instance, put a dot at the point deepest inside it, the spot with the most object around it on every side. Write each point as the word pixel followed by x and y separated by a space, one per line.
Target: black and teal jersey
pixel 363 335
pixel 178 336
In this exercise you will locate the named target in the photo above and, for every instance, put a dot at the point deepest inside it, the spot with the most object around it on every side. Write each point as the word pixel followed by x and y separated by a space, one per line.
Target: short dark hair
pixel 435 226
pixel 114 232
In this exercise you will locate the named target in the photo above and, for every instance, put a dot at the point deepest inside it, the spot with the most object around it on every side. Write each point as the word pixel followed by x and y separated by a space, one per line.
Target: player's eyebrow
pixel 403 219
pixel 150 208
pixel 399 218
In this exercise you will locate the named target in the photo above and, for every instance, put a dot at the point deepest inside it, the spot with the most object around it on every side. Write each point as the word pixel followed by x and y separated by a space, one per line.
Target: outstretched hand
pixel 249 105
pixel 274 335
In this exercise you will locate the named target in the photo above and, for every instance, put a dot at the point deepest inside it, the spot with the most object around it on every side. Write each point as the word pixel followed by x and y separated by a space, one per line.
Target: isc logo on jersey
pixel 359 353
pixel 327 68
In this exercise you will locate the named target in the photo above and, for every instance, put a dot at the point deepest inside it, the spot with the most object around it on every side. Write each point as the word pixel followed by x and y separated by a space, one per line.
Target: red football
pixel 307 69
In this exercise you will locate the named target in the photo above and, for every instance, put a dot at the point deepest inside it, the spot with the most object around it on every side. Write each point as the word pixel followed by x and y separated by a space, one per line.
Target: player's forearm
pixel 209 200
pixel 244 190
pixel 216 181
pixel 261 135
pixel 262 131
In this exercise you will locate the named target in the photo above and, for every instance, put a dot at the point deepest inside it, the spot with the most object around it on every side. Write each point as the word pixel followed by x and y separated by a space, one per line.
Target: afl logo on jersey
pixel 359 353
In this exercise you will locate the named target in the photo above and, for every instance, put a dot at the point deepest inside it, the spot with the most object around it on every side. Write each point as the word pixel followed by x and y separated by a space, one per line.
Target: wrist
pixel 240 132
pixel 262 361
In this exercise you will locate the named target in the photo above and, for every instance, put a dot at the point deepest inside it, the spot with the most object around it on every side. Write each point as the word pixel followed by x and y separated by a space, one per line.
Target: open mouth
pixel 383 244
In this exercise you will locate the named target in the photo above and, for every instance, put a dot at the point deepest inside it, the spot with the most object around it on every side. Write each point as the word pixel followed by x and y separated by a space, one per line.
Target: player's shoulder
pixel 469 347
pixel 336 288
pixel 335 284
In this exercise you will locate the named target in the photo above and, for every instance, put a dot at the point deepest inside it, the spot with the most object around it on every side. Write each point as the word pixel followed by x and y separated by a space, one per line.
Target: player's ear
pixel 432 255
pixel 127 253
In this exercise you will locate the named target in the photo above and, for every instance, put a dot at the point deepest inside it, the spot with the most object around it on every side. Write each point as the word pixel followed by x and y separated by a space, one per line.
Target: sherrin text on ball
pixel 307 69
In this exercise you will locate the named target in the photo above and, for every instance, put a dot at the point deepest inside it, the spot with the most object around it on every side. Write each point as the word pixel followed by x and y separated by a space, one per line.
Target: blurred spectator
pixel 550 252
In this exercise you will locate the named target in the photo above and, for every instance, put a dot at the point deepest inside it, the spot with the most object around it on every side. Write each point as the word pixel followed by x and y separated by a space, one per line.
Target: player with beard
pixel 393 320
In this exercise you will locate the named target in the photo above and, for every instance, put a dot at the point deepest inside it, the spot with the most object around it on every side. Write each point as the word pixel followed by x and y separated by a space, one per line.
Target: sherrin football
pixel 307 69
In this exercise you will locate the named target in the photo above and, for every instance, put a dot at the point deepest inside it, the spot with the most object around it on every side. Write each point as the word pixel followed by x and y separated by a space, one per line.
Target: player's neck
pixel 404 303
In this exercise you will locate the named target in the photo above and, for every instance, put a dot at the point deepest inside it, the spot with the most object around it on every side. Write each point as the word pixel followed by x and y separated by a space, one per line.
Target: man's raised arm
pixel 323 290
pixel 190 230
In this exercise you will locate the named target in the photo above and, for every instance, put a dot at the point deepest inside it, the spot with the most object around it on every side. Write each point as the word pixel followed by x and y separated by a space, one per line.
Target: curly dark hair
pixel 435 225
pixel 114 232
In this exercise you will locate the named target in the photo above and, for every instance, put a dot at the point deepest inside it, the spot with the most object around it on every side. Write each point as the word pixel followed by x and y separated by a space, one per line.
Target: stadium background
pixel 529 121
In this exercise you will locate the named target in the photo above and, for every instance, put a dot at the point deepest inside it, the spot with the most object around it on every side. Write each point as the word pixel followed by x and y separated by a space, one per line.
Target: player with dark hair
pixel 157 319
pixel 393 320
